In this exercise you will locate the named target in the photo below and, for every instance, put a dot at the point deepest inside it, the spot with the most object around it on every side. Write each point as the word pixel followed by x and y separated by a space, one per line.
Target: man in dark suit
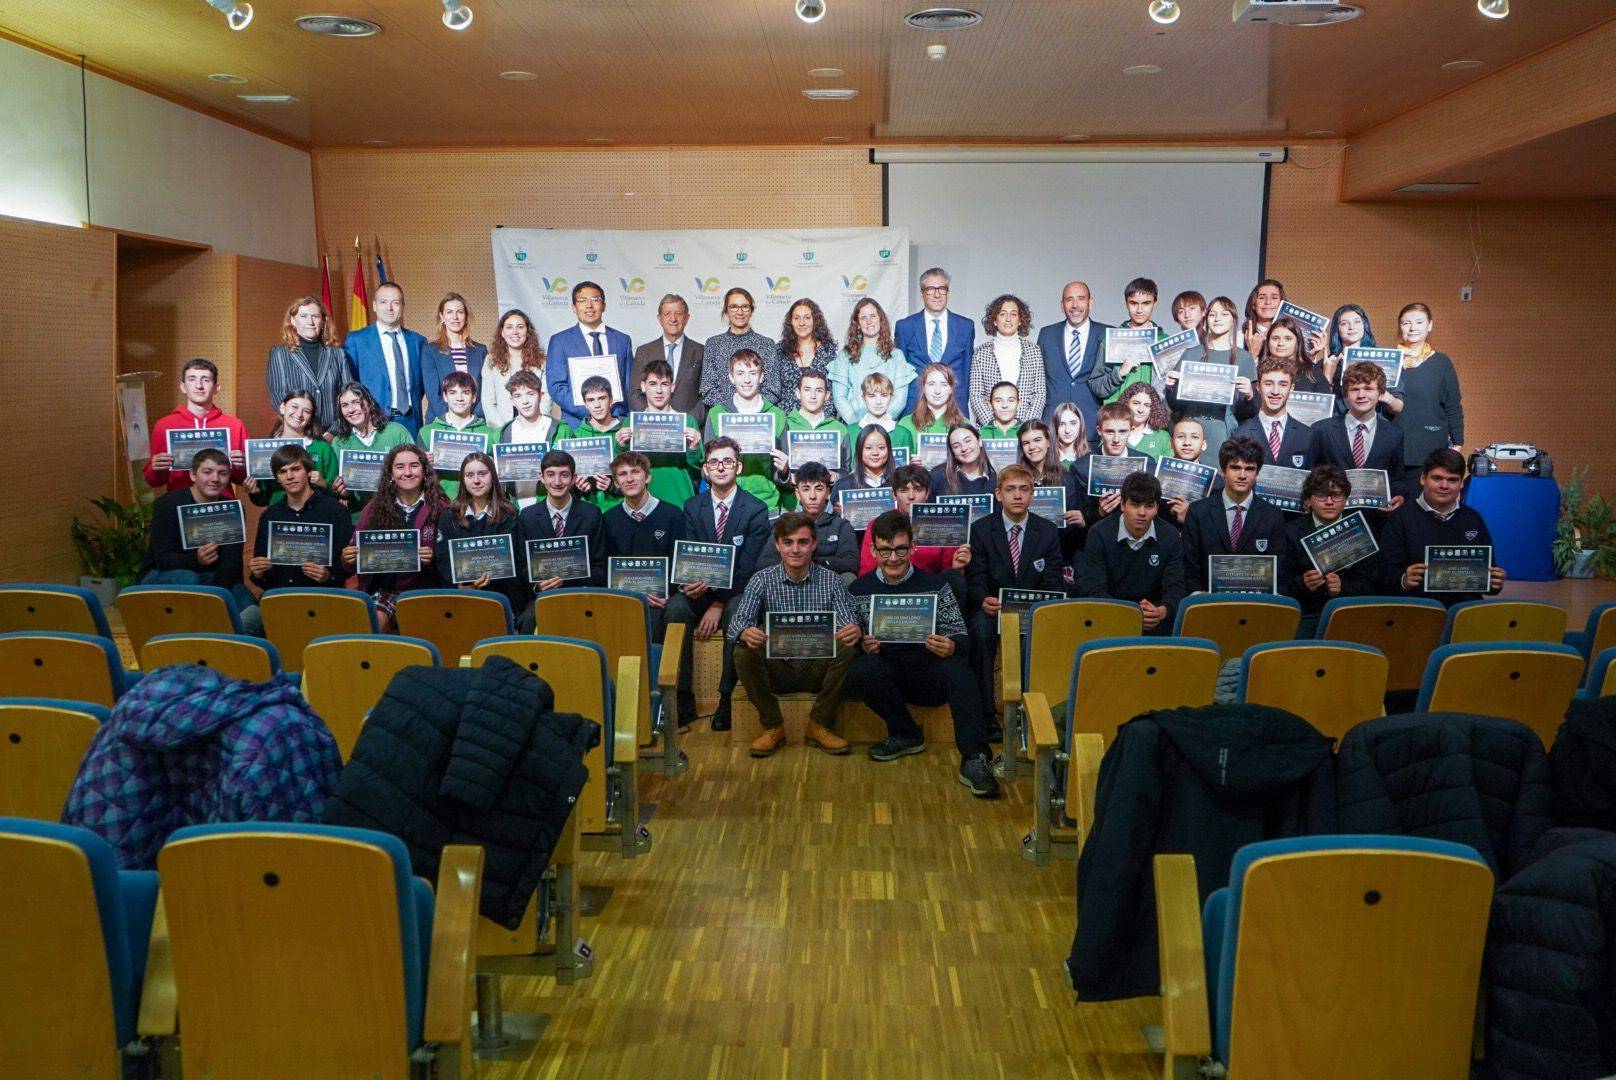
pixel 1071 348
pixel 590 336
pixel 682 355
pixel 935 335
pixel 1284 439
pixel 387 358
pixel 1234 521
pixel 723 514
pixel 560 514
pixel 1362 438
pixel 1010 549
pixel 1133 556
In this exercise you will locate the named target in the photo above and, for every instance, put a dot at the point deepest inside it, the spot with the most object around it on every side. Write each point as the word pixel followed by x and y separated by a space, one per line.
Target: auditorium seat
pixel 295 617
pixel 1598 634
pixel 1529 681
pixel 235 656
pixel 72 667
pixel 1237 621
pixel 1405 628
pixel 42 744
pixel 1602 675
pixel 64 608
pixel 1332 686
pixel 149 610
pixel 1504 620
pixel 454 620
pixel 344 675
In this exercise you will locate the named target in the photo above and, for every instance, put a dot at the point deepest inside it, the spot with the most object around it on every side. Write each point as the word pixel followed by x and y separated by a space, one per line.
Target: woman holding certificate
pixel 515 348
pixel 362 426
pixel 1219 345
pixel 868 350
pixel 1286 340
pixel 1428 407
pixel 408 501
pixel 1007 356
pixel 806 345
pixel 482 510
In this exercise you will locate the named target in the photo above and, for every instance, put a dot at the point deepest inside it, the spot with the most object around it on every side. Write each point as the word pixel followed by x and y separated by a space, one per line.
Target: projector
pixel 1294 12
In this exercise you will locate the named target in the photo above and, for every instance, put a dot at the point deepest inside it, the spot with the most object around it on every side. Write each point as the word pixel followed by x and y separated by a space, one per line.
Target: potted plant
pixel 112 548
pixel 1585 539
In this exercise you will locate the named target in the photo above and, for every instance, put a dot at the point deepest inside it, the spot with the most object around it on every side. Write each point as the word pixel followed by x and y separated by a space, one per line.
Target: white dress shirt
pixel 1007 351
pixel 395 392
pixel 1127 538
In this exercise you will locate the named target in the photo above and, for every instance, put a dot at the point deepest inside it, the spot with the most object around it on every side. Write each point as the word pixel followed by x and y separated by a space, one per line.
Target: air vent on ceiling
pixel 1437 188
pixel 829 93
pixel 943 18
pixel 343 26
pixel 1295 12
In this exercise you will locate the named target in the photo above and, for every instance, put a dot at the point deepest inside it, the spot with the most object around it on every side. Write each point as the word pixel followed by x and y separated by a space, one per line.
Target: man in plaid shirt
pixel 797 584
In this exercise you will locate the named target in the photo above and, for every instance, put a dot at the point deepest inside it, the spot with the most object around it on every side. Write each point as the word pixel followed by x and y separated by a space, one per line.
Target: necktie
pixel 1237 527
pixel 1273 440
pixel 1074 354
pixel 560 522
pixel 723 519
pixel 1015 549
pixel 637 515
pixel 936 346
pixel 401 382
pixel 669 358
pixel 1359 453
pixel 596 351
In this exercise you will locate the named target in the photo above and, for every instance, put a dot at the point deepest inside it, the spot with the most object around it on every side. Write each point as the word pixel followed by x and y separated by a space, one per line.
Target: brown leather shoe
pixel 767 743
pixel 824 738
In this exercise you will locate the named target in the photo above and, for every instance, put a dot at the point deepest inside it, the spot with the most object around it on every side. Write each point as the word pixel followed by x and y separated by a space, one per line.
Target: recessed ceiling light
pixel 518 76
pixel 344 26
pixel 599 140
pixel 1461 65
pixel 1493 9
pixel 826 73
pixel 233 80
pixel 1142 69
pixel 835 138
pixel 943 18
pixel 1322 133
pixel 1074 138
pixel 377 142
pixel 1165 12
pixel 266 99
pixel 829 93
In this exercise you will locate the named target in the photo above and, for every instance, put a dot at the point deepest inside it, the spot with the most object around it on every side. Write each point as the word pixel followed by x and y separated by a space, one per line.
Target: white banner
pixel 536 269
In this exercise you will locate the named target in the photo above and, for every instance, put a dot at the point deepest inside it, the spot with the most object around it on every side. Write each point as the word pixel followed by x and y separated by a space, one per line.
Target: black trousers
pixel 984 654
pixel 681 608
pixel 895 678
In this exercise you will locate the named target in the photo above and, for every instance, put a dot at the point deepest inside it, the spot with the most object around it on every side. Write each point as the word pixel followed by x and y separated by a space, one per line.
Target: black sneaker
pixel 721 715
pixel 976 774
pixel 896 746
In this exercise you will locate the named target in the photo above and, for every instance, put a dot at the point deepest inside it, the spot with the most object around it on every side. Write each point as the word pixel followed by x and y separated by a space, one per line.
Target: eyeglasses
pixel 1331 496
pixel 722 463
pixel 893 552
pixel 934 290
pixel 739 307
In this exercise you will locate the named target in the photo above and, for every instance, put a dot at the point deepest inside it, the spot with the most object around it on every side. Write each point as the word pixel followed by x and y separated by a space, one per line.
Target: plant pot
pixel 104 588
pixel 1582 564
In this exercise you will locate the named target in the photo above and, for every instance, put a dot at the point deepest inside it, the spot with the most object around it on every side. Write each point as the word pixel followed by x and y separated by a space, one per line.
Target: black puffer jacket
pixel 1582 763
pixel 469 756
pixel 1551 965
pixel 1204 781
pixel 1477 780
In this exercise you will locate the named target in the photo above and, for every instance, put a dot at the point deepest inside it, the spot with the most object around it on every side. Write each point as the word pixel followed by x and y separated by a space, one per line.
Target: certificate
pixel 900 456
pixel 940 524
pixel 824 447
pixel 293 543
pixel 361 470
pixel 1309 407
pixel 1001 452
pixel 657 432
pixel 1211 384
pixel 695 563
pixel 644 574
pixel 1106 474
pixel 1310 320
pixel 186 443
pixel 1049 503
pixel 586 366
pixel 1017 601
pixel 218 522
pixel 1241 573
pixel 470 557
pixel 1370 489
pixel 518 462
pixel 259 451
pixel 1388 360
pixel 564 557
pixel 752 432
pixel 800 635
pixel 1124 343
pixel 591 456
pixel 860 506
pixel 449 449
pixel 903 619
pixel 1281 486
pixel 1165 353
pixel 388 551
pixel 1340 544
pixel 981 504
pixel 1187 480
pixel 1459 568
pixel 933 449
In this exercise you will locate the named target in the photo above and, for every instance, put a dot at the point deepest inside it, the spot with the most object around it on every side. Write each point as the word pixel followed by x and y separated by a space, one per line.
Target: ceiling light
pixel 266 99
pixel 943 18
pixel 835 138
pixel 826 73
pixel 1074 138
pixel 599 140
pixel 456 15
pixel 1142 69
pixel 377 142
pixel 1164 11
pixel 1461 65
pixel 829 93
pixel 518 76
pixel 1322 133
pixel 343 26
pixel 810 11
pixel 234 80
pixel 238 15
pixel 1493 9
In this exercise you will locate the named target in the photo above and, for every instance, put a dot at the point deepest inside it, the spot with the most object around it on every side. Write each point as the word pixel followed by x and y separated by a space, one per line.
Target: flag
pixel 359 305
pixel 381 271
pixel 325 284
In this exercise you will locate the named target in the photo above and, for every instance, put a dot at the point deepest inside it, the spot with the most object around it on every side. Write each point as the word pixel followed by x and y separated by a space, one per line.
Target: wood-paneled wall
pixel 172 306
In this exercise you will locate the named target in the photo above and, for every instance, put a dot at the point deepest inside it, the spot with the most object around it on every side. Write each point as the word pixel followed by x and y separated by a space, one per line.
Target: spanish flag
pixel 359 305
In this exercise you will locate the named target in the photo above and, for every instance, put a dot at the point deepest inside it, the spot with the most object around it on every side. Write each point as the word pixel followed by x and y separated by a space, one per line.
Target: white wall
pixel 155 167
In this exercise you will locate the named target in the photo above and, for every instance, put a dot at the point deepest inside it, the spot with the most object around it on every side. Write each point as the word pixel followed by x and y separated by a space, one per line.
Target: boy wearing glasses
pixel 935 335
pixel 1324 500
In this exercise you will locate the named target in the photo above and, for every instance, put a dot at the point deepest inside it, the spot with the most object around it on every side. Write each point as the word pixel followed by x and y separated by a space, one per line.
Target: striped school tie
pixel 1273 440
pixel 1359 453
pixel 935 349
pixel 1015 549
pixel 1074 354
pixel 1237 527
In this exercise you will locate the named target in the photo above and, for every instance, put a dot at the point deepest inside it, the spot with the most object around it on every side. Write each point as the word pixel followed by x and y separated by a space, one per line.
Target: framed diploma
pixel 1124 343
pixel 897 619
pixel 1017 601
pixel 518 463
pixel 753 432
pixel 933 449
pixel 1371 489
pixel 1106 474
pixel 981 504
pixel 1310 408
pixel 218 522
pixel 860 506
pixel 1340 544
pixel 1242 573
pixel 1211 384
pixel 695 563
pixel 1049 503
pixel 1188 480
pixel 293 543
pixel 823 446
pixel 1001 452
pixel 657 432
pixel 587 366
pixel 1281 486
pixel 259 451
pixel 564 557
pixel 388 551
pixel 1165 353
pixel 361 470
pixel 940 524
pixel 1310 320
pixel 470 557
pixel 644 574
pixel 449 449
pixel 592 456
pixel 1451 568
pixel 800 635
pixel 1388 360
pixel 186 443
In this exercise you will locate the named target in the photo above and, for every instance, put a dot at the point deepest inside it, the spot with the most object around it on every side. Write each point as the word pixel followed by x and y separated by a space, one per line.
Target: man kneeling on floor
pixel 928 669
pixel 797 585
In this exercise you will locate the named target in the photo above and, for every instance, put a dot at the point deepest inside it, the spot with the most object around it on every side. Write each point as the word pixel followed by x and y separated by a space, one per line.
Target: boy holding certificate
pixel 1324 497
pixel 561 514
pixel 598 421
pixel 673 476
pixel 813 392
pixel 1233 521
pixel 529 425
pixel 1115 424
pixel 459 393
pixel 915 652
pixel 1133 556
pixel 319 520
pixel 1434 519
pixel 169 562
pixel 1108 380
pixel 836 547
pixel 761 474
pixel 199 381
pixel 1362 438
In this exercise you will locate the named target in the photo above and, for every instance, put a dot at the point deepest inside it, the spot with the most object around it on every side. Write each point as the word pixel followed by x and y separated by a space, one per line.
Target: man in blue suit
pixel 1071 350
pixel 935 335
pixel 589 337
pixel 388 358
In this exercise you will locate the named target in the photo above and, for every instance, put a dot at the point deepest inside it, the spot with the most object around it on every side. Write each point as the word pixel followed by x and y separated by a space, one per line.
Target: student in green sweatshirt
pixel 459 393
pixel 673 476
pixel 761 475
pixel 813 393
pixel 297 422
pixel 1005 399
pixel 362 425
pixel 598 421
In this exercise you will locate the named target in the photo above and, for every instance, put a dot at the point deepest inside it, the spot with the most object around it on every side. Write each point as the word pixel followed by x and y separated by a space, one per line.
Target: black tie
pixel 596 351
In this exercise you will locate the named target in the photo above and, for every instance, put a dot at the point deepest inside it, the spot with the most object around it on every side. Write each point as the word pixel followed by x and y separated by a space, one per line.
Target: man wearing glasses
pixel 935 335
pixel 589 337
pixel 931 669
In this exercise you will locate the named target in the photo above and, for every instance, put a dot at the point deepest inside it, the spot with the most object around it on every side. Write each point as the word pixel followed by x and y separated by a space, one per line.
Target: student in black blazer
pixel 578 518
pixel 707 611
pixel 1037 565
pixel 1274 383
pixel 1207 525
pixel 1134 556
pixel 1324 500
pixel 1362 386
